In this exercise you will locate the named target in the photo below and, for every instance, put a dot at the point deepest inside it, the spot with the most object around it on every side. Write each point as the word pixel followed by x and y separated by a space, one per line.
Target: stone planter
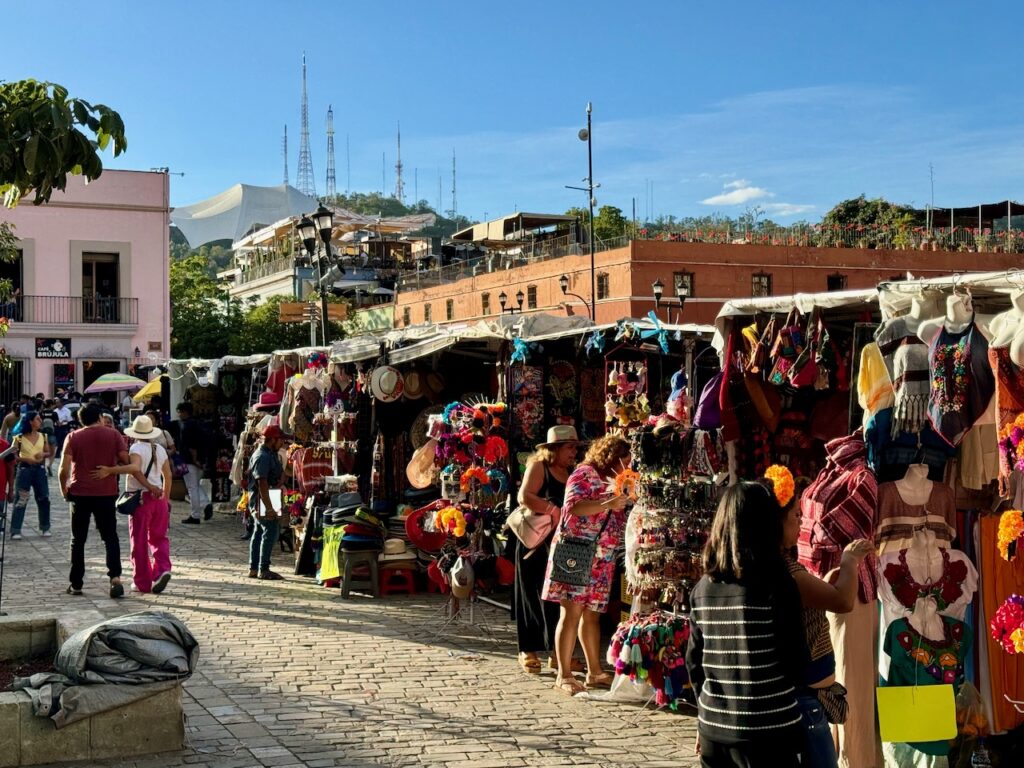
pixel 153 724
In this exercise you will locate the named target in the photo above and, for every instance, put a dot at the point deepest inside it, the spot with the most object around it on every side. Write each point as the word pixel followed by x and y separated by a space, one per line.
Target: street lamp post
pixel 563 283
pixel 682 293
pixel 586 135
pixel 503 300
pixel 322 223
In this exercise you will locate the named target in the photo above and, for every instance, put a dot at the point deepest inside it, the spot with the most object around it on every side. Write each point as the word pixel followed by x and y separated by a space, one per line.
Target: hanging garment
pixel 889 455
pixel 917 660
pixel 837 508
pixel 906 360
pixel 853 637
pixel 962 382
pixel 874 387
pixel 1009 403
pixel 897 519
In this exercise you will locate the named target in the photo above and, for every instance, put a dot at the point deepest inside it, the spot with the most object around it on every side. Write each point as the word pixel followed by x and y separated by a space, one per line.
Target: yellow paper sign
pixel 916 713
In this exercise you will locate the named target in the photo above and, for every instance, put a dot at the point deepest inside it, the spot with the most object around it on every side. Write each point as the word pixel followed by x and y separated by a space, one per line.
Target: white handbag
pixel 530 528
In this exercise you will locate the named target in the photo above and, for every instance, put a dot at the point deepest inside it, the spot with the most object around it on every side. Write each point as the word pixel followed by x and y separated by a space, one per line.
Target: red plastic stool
pixel 397 581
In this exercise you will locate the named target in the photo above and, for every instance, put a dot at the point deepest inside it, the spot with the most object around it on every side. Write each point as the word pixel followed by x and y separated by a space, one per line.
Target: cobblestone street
pixel 291 675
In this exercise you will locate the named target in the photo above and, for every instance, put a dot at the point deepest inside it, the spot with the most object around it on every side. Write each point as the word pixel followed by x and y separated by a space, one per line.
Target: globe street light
pixel 563 283
pixel 682 293
pixel 503 300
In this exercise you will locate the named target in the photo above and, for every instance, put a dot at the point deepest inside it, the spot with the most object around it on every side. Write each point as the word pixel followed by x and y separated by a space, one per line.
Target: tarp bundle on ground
pixel 111 664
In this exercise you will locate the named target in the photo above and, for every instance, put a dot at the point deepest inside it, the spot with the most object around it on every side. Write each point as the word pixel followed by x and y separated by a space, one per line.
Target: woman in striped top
pixel 747 652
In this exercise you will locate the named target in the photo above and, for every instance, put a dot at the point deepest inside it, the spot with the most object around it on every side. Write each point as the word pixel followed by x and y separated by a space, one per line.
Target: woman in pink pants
pixel 150 472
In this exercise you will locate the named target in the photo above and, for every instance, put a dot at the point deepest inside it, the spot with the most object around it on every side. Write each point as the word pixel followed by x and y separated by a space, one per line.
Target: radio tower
pixel 305 181
pixel 284 151
pixel 331 186
pixel 455 207
pixel 399 184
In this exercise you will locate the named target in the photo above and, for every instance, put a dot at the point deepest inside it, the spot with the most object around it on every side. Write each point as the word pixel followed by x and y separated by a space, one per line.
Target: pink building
pixel 92 283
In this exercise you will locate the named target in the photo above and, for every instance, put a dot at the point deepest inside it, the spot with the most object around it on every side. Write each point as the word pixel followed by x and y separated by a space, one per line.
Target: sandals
pixel 577 665
pixel 530 663
pixel 569 686
pixel 600 680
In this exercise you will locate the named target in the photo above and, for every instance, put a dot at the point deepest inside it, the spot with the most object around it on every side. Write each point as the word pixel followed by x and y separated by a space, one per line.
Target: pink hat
pixel 268 400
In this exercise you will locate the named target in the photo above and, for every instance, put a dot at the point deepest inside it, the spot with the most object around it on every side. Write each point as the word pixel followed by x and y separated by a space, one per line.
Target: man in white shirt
pixel 63 425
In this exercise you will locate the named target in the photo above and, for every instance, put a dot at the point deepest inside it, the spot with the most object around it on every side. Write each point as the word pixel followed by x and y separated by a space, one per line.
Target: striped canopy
pixel 115 382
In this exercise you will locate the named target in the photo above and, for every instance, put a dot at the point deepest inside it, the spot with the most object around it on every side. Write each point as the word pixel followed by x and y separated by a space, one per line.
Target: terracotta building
pixel 712 273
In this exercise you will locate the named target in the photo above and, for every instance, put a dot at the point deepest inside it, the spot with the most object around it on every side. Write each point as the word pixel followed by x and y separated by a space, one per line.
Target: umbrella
pixel 115 382
pixel 151 389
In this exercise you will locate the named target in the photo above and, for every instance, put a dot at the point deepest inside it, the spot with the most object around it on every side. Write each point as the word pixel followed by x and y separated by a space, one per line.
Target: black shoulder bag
pixel 572 559
pixel 129 501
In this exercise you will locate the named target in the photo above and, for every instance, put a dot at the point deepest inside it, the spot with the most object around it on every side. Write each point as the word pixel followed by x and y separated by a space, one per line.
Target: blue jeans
pixel 819 750
pixel 31 478
pixel 264 539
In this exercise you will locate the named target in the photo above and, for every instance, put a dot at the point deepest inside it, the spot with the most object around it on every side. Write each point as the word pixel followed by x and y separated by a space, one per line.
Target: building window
pixel 683 283
pixel 426 313
pixel 761 284
pixel 603 286
pixel 485 303
pixel 531 297
pixel 449 309
pixel 835 282
pixel 406 316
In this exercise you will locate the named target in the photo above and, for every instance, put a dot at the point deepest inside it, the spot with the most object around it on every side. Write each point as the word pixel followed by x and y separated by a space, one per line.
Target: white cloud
pixel 787 209
pixel 741 193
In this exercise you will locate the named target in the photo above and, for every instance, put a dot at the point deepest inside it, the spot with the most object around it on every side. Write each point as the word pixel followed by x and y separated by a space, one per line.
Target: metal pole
pixel 590 202
pixel 323 298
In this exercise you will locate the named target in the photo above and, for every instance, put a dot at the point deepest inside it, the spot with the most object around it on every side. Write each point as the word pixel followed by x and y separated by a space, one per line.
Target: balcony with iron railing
pixel 71 310
pixel 254 272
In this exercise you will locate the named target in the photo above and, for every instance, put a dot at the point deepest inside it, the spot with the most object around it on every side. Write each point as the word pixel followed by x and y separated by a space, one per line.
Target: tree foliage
pixel 45 135
pixel 869 213
pixel 202 317
pixel 260 330
pixel 609 221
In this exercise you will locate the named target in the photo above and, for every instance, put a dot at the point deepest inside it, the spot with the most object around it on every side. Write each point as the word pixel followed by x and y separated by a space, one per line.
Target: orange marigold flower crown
pixel 1011 529
pixel 782 482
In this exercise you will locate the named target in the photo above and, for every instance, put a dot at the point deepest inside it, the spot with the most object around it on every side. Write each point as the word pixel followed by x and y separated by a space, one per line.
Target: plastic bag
pixel 970 715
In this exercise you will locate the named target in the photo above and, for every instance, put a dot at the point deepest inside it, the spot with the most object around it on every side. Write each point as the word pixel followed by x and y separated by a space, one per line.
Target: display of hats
pixel 386 383
pixel 461 578
pixel 431 541
pixel 348 501
pixel 419 431
pixel 435 383
pixel 414 385
pixel 421 471
pixel 396 551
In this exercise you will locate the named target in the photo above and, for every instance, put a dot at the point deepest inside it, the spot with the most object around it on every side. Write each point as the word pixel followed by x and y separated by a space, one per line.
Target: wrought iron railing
pixel 258 271
pixel 69 310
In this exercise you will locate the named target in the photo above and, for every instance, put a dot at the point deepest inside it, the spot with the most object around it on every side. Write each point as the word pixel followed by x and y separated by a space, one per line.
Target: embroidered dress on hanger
pixel 1009 404
pixel 906 359
pixel 962 383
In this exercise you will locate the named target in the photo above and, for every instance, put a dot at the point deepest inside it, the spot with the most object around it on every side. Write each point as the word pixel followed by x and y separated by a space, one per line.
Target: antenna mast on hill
pixel 284 152
pixel 332 187
pixel 305 181
pixel 399 184
pixel 348 168
pixel 455 207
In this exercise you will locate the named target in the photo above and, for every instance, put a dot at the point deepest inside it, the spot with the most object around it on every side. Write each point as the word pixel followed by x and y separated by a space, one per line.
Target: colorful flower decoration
pixel 450 519
pixel 1007 626
pixel 497 481
pixel 1011 528
pixel 495 449
pixel 1011 442
pixel 473 473
pixel 783 485
pixel 625 484
pixel 317 360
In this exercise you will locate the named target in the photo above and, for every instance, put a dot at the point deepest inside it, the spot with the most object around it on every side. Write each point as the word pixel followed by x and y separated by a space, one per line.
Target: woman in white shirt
pixel 150 472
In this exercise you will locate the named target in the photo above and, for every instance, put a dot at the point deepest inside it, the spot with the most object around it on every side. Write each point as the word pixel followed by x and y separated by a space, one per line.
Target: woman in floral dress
pixel 589 507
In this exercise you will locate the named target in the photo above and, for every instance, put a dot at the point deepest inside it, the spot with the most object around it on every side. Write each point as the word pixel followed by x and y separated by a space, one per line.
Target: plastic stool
pixel 397 581
pixel 354 559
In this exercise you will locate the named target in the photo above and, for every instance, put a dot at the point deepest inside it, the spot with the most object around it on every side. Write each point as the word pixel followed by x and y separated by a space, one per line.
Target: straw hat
pixel 435 383
pixel 414 385
pixel 386 383
pixel 142 429
pixel 421 471
pixel 562 433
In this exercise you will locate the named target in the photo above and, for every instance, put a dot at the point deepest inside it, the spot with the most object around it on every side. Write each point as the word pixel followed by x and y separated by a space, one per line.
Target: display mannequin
pixel 959 313
pixel 926 619
pixel 915 488
pixel 1006 326
pixel 924 558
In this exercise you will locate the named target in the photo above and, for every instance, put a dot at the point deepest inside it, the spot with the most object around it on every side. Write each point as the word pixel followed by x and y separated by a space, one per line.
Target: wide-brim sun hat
pixel 430 541
pixel 414 385
pixel 268 401
pixel 560 434
pixel 386 383
pixel 142 429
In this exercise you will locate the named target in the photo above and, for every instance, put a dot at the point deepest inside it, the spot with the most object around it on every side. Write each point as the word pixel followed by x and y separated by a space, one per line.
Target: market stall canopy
pixel 115 382
pixel 235 211
pixel 989 290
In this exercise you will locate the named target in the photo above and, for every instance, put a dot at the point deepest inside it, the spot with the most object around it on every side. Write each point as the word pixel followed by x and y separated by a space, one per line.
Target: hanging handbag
pixel 759 355
pixel 129 501
pixel 765 398
pixel 572 559
pixel 708 415
pixel 833 701
pixel 804 372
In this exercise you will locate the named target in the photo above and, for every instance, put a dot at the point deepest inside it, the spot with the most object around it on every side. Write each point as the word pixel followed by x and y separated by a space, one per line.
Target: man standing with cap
pixel 265 473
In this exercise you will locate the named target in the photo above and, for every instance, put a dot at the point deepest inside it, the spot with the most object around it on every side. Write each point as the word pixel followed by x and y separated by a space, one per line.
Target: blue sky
pixel 719 106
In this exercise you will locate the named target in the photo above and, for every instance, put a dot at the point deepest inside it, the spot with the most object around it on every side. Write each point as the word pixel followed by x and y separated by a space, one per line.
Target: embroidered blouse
pixel 906 359
pixel 962 383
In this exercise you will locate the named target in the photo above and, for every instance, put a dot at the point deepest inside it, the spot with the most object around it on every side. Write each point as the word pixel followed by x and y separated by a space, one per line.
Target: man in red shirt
pixel 6 485
pixel 84 450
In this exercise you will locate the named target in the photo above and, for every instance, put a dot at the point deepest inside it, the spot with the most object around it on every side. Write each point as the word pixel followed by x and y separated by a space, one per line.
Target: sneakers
pixel 45 534
pixel 73 591
pixel 116 589
pixel 208 512
pixel 270 576
pixel 15 537
pixel 190 521
pixel 161 583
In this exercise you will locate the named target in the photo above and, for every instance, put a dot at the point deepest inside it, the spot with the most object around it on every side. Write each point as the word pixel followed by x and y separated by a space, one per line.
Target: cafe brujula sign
pixel 53 349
